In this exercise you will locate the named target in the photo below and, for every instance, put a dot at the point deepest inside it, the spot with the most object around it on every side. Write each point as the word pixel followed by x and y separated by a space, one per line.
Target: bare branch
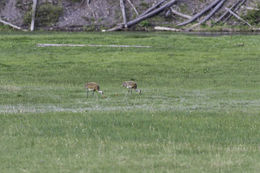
pixel 122 5
pixel 180 14
pixel 226 13
pixel 153 7
pixel 12 25
pixel 143 17
pixel 132 5
pixel 200 13
pixel 160 28
pixel 33 14
pixel 217 7
pixel 238 17
pixel 152 13
pixel 234 10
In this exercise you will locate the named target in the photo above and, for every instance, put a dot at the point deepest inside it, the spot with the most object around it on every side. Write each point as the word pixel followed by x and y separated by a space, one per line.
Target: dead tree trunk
pixel 217 7
pixel 200 13
pixel 141 18
pixel 33 14
pixel 235 9
pixel 238 17
pixel 180 14
pixel 122 5
pixel 226 13
pixel 152 13
pixel 132 5
pixel 13 26
pixel 152 8
pixel 161 28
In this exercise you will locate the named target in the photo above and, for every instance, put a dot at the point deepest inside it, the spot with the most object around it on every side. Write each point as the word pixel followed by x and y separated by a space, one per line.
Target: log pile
pixel 164 5
pixel 167 6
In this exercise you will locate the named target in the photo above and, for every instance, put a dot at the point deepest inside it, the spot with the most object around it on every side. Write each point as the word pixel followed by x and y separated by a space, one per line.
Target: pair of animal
pixel 94 87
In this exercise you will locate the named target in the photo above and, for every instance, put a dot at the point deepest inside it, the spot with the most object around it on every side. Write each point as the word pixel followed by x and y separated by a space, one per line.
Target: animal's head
pixel 101 92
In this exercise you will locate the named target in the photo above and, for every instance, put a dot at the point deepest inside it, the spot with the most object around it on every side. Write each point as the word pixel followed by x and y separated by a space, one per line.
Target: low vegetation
pixel 47 14
pixel 253 16
pixel 198 111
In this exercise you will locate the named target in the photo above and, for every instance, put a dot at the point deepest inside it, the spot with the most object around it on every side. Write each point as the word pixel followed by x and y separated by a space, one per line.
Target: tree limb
pixel 33 14
pixel 226 12
pixel 238 17
pixel 180 14
pixel 122 5
pixel 160 28
pixel 13 26
pixel 152 13
pixel 152 8
pixel 217 7
pixel 200 13
pixel 132 5
pixel 141 18
pixel 235 9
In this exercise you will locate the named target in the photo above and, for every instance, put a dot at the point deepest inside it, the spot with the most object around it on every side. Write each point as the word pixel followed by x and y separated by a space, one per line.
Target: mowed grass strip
pixel 198 112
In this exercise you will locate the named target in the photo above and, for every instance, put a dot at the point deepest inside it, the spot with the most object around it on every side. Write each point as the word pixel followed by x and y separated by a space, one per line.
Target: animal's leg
pixel 87 93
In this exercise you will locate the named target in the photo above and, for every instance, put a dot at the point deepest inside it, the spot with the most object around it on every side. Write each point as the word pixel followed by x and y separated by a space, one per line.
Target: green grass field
pixel 199 110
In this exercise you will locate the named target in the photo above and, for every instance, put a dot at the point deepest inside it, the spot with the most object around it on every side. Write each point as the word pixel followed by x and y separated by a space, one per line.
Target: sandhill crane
pixel 130 85
pixel 92 86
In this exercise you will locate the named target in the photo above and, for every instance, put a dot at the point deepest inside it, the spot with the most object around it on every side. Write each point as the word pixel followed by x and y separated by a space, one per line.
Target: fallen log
pixel 213 4
pixel 116 28
pixel 226 12
pixel 252 8
pixel 235 9
pixel 141 18
pixel 90 45
pixel 12 25
pixel 238 17
pixel 153 7
pixel 152 13
pixel 180 14
pixel 122 6
pixel 160 28
pixel 33 14
pixel 132 5
pixel 256 29
pixel 217 7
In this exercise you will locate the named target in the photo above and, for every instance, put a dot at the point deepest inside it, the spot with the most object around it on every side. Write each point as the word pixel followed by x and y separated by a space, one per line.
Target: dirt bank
pixel 101 14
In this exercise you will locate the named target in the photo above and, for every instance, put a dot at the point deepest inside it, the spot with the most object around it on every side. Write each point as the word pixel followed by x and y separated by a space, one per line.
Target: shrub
pixel 46 15
pixel 144 23
pixel 253 16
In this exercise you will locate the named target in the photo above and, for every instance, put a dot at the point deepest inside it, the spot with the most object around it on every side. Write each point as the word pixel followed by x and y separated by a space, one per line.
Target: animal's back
pixel 130 84
pixel 92 86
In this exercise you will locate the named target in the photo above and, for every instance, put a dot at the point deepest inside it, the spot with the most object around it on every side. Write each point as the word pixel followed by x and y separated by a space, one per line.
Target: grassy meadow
pixel 199 110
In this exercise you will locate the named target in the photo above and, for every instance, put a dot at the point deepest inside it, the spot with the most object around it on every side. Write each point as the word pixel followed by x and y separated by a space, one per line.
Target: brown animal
pixel 130 85
pixel 92 86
